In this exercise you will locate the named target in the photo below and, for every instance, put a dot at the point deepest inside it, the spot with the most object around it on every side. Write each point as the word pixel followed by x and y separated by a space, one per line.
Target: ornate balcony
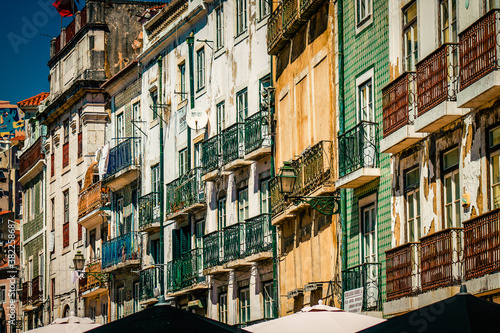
pixel 440 259
pixel 437 82
pixel 291 22
pixel 366 276
pixel 121 252
pixel 37 290
pixel 185 195
pixel 233 147
pixel 402 271
pixel 233 246
pixel 149 212
pixel 90 200
pixel 309 7
pixel 257 136
pixel 31 162
pixel 213 254
pixel 95 282
pixel 26 293
pixel 210 159
pixel 150 284
pixel 275 40
pixel 124 164
pixel 358 155
pixel 399 108
pixel 482 245
pixel 185 273
pixel 277 200
pixel 258 237
pixel 479 61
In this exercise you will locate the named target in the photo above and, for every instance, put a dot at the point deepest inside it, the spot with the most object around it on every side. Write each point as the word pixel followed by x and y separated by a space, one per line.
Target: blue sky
pixel 25 49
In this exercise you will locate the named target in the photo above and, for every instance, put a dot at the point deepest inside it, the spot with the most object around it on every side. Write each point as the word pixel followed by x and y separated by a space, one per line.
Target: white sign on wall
pixel 353 300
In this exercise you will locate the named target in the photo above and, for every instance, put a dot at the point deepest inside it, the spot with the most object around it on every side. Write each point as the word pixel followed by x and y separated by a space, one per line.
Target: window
pixel 363 11
pixel 136 297
pixel 183 162
pixel 242 105
pixel 136 125
pixel 121 299
pixel 491 4
pixel 79 120
pixel 120 225
pixel 92 242
pixel 243 204
pixel 155 250
pixel 200 69
pixel 412 179
pixel 241 16
pixel 104 312
pixel 244 298
pixel 92 312
pixel 154 100
pixel 264 97
pixel 155 178
pixel 448 21
pixel 265 196
pixel 2 294
pixel 221 213
pixel 494 142
pixel 365 101
pixel 199 233
pixel 182 81
pixel 120 127
pixel 197 156
pixel 66 130
pixel 221 117
pixel 268 299
pixel 219 27
pixel 410 39
pixel 264 9
pixel 451 189
pixel 369 240
pixel 66 206
pixel 223 307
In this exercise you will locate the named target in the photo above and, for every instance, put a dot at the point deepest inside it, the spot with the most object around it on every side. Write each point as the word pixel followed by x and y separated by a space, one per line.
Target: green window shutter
pixel 176 244
pixel 185 239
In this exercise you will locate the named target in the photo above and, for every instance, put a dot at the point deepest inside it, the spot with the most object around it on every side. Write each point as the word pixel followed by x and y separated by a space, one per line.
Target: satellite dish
pixel 196 118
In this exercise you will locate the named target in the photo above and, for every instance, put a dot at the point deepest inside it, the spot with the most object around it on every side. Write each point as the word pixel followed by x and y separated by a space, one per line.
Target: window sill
pixel 66 169
pixel 153 123
pixel 219 52
pixel 201 92
pixel 262 22
pixel 80 160
pixel 241 37
pixel 66 249
pixel 363 24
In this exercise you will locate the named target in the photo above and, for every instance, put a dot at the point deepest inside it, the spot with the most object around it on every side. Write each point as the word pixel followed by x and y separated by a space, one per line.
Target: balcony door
pixel 366 135
pixel 369 254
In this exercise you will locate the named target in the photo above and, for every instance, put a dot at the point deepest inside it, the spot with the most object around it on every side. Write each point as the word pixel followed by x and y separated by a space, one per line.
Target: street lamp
pixel 327 205
pixel 79 264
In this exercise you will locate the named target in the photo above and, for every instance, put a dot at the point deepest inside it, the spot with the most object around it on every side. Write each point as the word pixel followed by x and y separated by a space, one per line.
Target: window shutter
pixel 176 246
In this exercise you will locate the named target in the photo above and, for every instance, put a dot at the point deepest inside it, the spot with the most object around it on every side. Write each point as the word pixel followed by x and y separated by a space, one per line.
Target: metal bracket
pixel 327 205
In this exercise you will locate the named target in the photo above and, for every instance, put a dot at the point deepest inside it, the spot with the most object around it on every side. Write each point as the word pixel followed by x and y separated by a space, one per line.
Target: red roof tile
pixel 35 100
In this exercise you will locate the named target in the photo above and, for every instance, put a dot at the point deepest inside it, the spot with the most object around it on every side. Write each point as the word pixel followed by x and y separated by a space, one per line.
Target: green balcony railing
pixel 277 199
pixel 290 13
pixel 258 235
pixel 257 132
pixel 275 29
pixel 308 7
pixel 358 148
pixel 185 191
pixel 233 143
pixel 366 276
pixel 185 271
pixel 212 249
pixel 149 209
pixel 120 249
pixel 149 281
pixel 316 166
pixel 233 239
pixel 210 159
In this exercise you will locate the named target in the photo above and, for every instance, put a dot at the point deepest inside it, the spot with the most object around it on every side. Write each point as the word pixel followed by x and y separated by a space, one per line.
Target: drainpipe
pixel 162 206
pixel 273 174
pixel 190 43
pixel 343 192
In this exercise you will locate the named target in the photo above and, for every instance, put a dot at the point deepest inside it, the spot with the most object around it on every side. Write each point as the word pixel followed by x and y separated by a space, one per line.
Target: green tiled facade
pixel 32 249
pixel 365 50
pixel 35 221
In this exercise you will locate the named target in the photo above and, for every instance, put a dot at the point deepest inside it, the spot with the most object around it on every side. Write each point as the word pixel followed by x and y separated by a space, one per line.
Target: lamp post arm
pixel 327 205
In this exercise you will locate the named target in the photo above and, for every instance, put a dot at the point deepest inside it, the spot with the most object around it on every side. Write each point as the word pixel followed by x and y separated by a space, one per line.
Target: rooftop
pixel 35 100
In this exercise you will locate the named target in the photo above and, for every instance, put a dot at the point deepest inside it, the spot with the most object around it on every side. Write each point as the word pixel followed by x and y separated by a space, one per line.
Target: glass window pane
pixel 450 159
pixel 448 190
pixel 449 215
pixel 496 196
pixel 456 180
pixel 411 214
pixel 494 136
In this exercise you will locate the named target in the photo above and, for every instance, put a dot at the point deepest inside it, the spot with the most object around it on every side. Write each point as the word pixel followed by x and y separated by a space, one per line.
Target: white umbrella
pixel 69 324
pixel 318 319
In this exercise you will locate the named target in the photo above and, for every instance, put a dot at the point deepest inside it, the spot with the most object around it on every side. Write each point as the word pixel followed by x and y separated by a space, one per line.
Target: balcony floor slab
pixel 259 256
pixel 149 301
pixel 122 178
pixel 258 154
pixel 215 270
pixel 438 117
pixel 236 263
pixel 358 178
pixel 122 265
pixel 182 214
pixel 236 164
pixel 210 175
pixel 93 219
pixel 400 140
pixel 194 288
pixel 400 306
pixel 437 295
pixel 480 92
pixel 32 172
pixel 484 285
pixel 150 227
pixel 94 292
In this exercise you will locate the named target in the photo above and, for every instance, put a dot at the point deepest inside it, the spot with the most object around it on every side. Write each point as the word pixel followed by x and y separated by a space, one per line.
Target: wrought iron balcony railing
pixel 233 143
pixel 233 241
pixel 290 13
pixel 210 159
pixel 308 7
pixel 185 191
pixel 149 209
pixel 358 148
pixel 31 157
pixel 437 78
pixel 399 102
pixel 185 271
pixel 402 271
pixel 37 289
pixel 258 234
pixel 275 29
pixel 149 280
pixel 366 276
pixel 479 49
pixel 441 259
pixel 123 155
pixel 257 132
pixel 120 249
pixel 277 199
pixel 213 254
pixel 26 293
pixel 95 277
pixel 482 245
pixel 93 197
